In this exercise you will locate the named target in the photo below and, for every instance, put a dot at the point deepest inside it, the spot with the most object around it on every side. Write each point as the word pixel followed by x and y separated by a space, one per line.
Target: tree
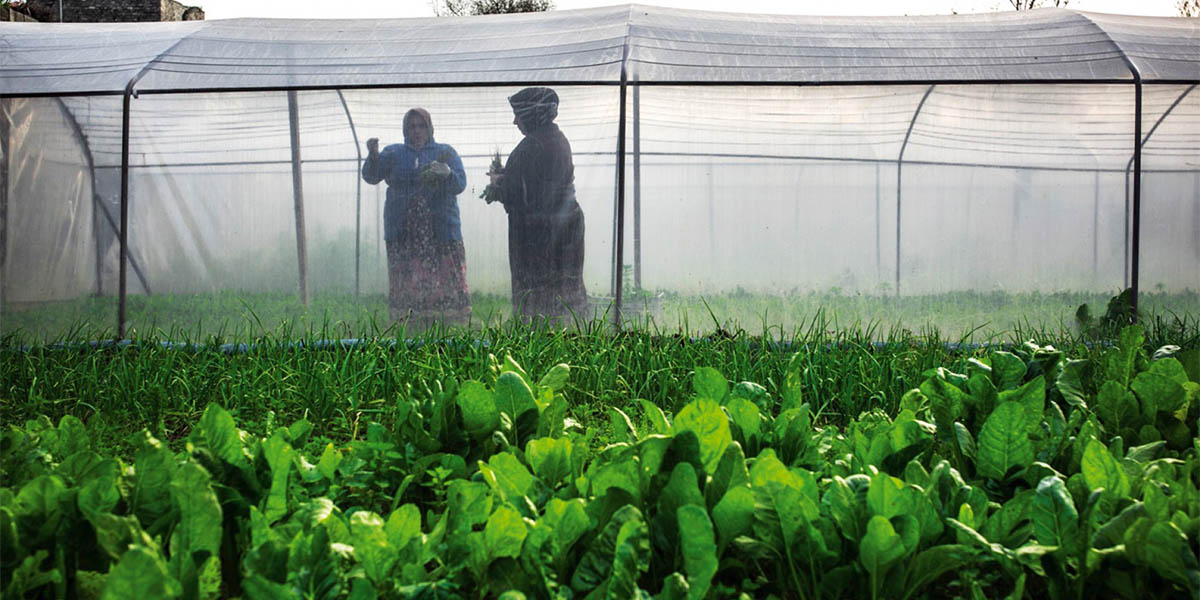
pixel 1031 4
pixel 459 8
pixel 1188 8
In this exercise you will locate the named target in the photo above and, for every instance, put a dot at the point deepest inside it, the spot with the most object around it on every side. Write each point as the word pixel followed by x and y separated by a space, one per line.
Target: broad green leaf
pixel 505 474
pixel 150 497
pixel 371 546
pixel 768 471
pixel 946 399
pixel 550 459
pixel 710 384
pixel 1101 470
pixel 72 436
pixel 656 416
pixel 1007 370
pixel 734 513
pixel 1158 393
pixel 1116 406
pixel 880 548
pixel 1120 362
pixel 279 458
pixel 567 521
pixel 731 472
pixel 550 423
pixel 886 496
pixel 755 393
pixel 1055 520
pixel 698 547
pixel 1004 441
pixel 99 496
pixel 1169 367
pixel 1001 525
pixel 1070 382
pixel 846 508
pixel 467 504
pixel 199 510
pixel 793 435
pixel 38 509
pixel 220 435
pixel 682 489
pixel 745 414
pixel 1112 532
pixel 140 574
pixel 615 557
pixel 622 426
pixel 478 406
pixel 1165 549
pixel 621 474
pixel 513 395
pixel 1190 360
pixel 504 533
pixel 330 459
pixel 403 526
pixel 556 378
pixel 705 418
pixel 1031 396
pixel 196 538
pixel 905 431
pixel 932 563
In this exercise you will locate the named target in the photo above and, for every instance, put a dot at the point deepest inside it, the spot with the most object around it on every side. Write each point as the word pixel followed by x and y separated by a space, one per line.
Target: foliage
pixel 1022 471
pixel 462 8
pixel 1032 4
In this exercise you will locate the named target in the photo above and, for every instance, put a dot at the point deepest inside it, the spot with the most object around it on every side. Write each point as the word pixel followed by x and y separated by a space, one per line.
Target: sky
pixel 318 9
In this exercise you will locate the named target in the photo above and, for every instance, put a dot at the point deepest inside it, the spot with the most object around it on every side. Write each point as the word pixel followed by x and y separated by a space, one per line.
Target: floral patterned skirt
pixel 427 278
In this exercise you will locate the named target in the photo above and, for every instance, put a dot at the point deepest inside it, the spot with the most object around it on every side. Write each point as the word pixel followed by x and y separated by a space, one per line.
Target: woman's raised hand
pixel 373 146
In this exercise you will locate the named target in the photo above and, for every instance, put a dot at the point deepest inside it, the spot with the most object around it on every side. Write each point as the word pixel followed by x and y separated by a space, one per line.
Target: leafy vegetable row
pixel 1030 474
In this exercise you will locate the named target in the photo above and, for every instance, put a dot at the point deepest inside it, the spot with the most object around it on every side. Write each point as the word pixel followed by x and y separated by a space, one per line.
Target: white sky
pixel 317 9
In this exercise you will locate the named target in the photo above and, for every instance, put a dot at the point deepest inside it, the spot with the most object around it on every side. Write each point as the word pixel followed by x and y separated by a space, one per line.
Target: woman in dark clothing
pixel 427 272
pixel 545 224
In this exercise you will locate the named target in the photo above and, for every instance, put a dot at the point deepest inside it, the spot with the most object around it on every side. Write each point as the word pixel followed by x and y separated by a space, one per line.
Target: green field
pixel 237 317
pixel 834 459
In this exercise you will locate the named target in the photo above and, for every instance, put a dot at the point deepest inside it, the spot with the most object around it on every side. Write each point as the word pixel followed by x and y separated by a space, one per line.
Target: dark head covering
pixel 423 114
pixel 535 107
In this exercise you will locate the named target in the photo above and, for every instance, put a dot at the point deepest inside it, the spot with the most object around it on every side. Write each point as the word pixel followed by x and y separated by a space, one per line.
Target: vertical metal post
pixel 637 188
pixel 298 194
pixel 123 236
pixel 1125 281
pixel 1137 195
pixel 620 241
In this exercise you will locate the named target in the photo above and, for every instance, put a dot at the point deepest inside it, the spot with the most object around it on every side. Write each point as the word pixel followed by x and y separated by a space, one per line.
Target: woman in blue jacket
pixel 427 270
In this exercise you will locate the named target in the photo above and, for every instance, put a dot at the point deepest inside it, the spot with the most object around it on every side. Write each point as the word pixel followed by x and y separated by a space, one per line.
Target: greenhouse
pixel 733 169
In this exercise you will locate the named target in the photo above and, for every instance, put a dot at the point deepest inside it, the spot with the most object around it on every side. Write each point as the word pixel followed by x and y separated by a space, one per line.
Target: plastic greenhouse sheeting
pixel 902 170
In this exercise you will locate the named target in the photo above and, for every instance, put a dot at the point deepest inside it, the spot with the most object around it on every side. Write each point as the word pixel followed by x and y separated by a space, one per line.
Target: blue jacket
pixel 399 164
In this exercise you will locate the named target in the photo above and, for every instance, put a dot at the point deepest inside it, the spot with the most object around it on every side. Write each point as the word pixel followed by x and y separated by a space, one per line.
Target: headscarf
pixel 535 107
pixel 418 112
